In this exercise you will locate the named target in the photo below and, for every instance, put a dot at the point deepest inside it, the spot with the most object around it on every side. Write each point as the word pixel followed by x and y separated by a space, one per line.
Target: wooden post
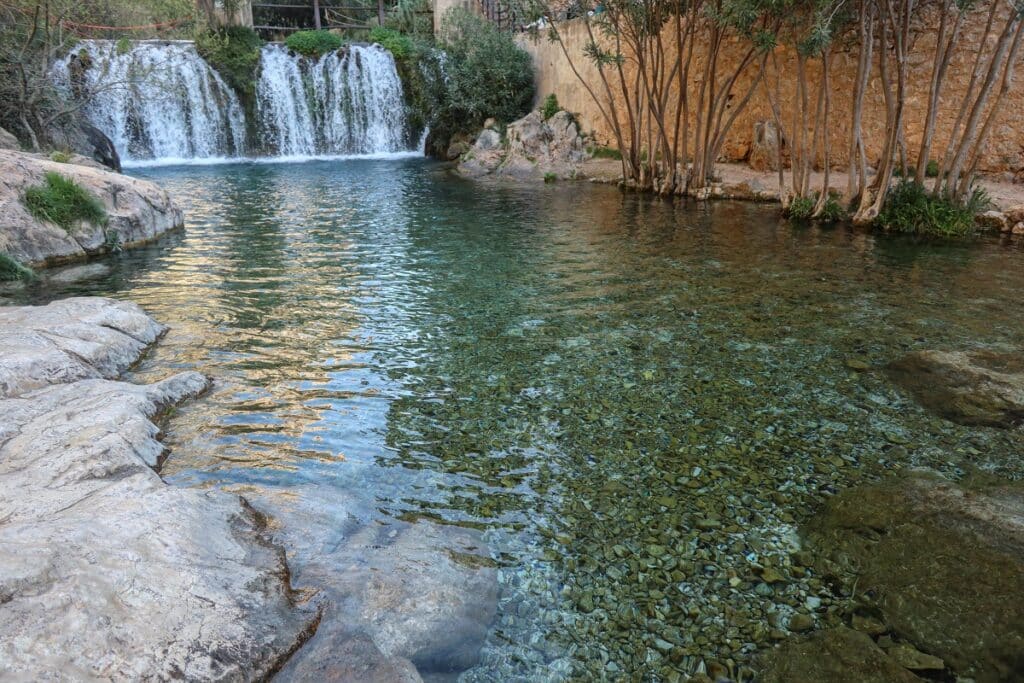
pixel 380 12
pixel 316 14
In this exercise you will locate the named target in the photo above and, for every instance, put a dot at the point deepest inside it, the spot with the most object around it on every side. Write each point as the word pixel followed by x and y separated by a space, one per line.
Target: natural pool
pixel 637 401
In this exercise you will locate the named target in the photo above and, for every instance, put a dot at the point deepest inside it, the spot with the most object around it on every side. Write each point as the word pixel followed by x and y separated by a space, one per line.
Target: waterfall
pixel 346 102
pixel 160 102
pixel 155 101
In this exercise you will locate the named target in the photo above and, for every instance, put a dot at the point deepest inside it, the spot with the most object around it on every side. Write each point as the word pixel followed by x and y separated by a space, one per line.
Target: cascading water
pixel 161 102
pixel 155 101
pixel 346 102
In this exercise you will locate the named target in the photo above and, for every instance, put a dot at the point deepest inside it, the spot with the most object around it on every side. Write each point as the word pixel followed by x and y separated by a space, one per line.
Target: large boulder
pixel 973 388
pixel 138 211
pixel 105 571
pixel 83 138
pixel 535 147
pixel 936 566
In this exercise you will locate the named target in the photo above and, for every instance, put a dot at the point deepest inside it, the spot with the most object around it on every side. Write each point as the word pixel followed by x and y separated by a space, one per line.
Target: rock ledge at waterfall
pixel 105 571
pixel 139 211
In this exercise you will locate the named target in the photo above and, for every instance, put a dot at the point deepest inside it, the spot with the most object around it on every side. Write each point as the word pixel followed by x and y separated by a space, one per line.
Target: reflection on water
pixel 637 401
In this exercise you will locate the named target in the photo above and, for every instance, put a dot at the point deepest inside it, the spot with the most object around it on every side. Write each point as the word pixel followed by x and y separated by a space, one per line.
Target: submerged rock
pixel 105 571
pixel 138 211
pixel 976 388
pixel 838 655
pixel 941 565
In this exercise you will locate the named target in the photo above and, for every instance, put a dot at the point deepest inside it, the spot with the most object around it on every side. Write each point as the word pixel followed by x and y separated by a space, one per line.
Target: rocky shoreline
pixel 108 572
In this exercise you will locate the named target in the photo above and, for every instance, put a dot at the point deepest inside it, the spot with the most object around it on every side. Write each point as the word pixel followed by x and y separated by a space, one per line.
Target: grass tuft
pixel 910 208
pixel 11 269
pixel 62 201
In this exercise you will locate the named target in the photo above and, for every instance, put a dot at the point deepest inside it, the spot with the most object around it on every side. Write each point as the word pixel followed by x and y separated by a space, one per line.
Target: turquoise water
pixel 636 401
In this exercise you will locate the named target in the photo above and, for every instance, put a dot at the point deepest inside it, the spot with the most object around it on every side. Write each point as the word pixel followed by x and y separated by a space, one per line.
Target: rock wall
pixel 1004 153
pixel 139 211
pixel 105 571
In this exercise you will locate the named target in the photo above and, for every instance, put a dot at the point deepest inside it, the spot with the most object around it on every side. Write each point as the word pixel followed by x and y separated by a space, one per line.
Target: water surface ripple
pixel 637 401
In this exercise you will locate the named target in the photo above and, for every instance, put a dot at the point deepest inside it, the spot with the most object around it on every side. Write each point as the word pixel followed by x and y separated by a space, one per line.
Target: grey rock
pixel 139 211
pixel 488 140
pixel 69 340
pixel 105 571
pixel 911 658
pixel 535 147
pixel 79 273
pixel 8 141
pixel 838 655
pixel 976 388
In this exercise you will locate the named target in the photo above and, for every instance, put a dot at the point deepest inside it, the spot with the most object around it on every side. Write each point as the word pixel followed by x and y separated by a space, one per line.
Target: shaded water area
pixel 637 402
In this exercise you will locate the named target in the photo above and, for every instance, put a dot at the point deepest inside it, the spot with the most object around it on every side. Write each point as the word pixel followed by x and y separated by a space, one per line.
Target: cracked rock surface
pixel 138 211
pixel 105 571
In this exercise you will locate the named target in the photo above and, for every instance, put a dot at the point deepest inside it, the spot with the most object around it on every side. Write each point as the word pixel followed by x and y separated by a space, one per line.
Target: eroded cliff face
pixel 138 211
pixel 105 571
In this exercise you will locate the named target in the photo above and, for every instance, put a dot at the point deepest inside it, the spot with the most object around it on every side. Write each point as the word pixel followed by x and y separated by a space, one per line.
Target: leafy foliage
pixel 234 51
pixel 11 269
pixel 62 201
pixel 411 17
pixel 313 43
pixel 398 44
pixel 550 106
pixel 909 208
pixel 487 75
pixel 605 153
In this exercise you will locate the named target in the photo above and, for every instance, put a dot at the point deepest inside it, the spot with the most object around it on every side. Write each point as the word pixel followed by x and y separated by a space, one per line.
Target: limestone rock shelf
pixel 105 571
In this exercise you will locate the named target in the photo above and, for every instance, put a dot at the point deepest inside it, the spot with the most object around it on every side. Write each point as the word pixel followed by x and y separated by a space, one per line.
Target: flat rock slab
pixel 971 388
pixel 69 340
pixel 139 211
pixel 105 571
pixel 941 565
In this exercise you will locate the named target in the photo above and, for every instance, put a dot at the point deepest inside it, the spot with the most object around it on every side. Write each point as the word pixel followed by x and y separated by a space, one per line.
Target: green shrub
pixel 399 45
pixel 550 106
pixel 605 153
pixel 11 269
pixel 123 46
pixel 932 169
pixel 234 51
pixel 550 177
pixel 910 208
pixel 801 208
pixel 411 17
pixel 488 75
pixel 313 43
pixel 833 211
pixel 60 156
pixel 62 201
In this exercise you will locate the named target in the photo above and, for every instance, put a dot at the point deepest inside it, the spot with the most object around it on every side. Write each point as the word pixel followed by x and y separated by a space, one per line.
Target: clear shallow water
pixel 636 401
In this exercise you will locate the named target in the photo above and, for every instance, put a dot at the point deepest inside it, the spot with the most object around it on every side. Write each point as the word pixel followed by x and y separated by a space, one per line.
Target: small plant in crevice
pixel 112 241
pixel 910 208
pixel 550 106
pixel 550 177
pixel 60 156
pixel 123 46
pixel 62 201
pixel 313 43
pixel 11 269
